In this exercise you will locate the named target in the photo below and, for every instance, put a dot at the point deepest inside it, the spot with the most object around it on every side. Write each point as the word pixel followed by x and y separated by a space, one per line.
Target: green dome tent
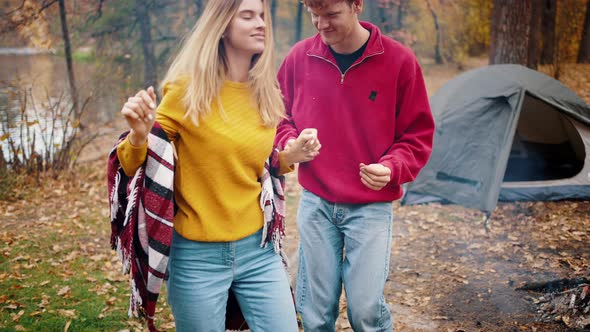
pixel 505 132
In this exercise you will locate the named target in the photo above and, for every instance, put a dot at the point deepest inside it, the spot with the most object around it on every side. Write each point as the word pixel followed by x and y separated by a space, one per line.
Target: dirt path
pixel 449 269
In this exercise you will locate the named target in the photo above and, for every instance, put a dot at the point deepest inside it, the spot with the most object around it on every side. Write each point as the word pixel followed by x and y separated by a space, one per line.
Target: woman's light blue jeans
pixel 343 243
pixel 201 274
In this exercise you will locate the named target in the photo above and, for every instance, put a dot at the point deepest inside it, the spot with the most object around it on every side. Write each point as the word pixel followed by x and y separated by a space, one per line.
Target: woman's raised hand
pixel 140 113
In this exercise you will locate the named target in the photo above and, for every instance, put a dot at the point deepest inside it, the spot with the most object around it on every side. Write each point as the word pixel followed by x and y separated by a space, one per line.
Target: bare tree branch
pixel 46 4
pixel 165 38
pixel 10 12
pixel 10 25
pixel 99 8
pixel 109 31
pixel 98 11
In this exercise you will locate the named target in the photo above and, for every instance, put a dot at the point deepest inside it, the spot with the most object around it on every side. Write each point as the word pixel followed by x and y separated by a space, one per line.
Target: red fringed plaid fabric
pixel 142 213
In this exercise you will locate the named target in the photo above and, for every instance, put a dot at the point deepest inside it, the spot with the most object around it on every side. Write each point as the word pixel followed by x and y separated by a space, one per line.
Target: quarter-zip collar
pixel 374 46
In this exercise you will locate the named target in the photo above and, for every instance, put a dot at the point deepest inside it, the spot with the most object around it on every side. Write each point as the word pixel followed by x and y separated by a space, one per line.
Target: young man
pixel 365 95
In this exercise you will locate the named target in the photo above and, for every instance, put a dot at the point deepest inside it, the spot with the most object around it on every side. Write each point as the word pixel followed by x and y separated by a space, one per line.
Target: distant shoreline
pixel 24 51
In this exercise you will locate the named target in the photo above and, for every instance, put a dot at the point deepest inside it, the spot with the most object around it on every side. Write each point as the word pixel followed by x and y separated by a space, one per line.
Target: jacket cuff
pixel 284 141
pixel 394 177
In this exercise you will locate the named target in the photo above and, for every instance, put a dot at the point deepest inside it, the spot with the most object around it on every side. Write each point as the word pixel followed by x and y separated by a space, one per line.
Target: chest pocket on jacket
pixel 377 102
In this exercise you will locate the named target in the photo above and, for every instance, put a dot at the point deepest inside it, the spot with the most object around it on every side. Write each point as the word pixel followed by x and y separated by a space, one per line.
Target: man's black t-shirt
pixel 344 61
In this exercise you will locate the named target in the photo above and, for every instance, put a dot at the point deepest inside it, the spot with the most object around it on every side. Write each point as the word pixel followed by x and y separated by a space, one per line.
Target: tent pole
pixel 486 221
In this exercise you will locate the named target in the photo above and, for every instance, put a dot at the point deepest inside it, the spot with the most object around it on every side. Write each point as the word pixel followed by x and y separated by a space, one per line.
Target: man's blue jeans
pixel 343 243
pixel 201 273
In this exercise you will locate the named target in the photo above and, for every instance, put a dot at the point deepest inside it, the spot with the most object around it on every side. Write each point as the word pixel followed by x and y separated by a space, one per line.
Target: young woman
pixel 220 108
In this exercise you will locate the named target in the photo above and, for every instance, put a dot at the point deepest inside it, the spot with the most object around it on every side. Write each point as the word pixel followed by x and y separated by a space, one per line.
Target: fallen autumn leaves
pixel 447 272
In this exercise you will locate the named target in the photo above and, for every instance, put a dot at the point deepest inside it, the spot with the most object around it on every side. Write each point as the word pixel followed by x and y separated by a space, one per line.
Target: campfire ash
pixel 565 300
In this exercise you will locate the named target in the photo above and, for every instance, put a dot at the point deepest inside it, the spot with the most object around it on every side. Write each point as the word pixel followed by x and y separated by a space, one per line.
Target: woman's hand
pixel 140 113
pixel 303 149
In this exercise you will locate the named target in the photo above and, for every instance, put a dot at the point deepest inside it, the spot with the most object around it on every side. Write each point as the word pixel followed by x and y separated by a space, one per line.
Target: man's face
pixel 335 22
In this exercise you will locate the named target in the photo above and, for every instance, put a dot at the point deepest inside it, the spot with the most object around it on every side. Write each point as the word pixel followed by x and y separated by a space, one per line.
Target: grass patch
pixel 57 270
pixel 13 186
pixel 84 57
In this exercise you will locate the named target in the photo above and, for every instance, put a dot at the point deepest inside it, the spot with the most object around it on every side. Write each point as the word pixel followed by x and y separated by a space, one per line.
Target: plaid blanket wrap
pixel 142 213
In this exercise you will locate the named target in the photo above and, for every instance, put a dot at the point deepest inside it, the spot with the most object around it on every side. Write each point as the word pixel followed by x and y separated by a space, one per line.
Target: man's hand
pixel 375 176
pixel 305 148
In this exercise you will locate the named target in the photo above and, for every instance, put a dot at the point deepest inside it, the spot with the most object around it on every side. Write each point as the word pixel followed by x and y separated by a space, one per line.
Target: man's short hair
pixel 323 3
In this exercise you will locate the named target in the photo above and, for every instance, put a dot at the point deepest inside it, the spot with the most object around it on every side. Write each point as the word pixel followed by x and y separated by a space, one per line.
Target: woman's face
pixel 246 31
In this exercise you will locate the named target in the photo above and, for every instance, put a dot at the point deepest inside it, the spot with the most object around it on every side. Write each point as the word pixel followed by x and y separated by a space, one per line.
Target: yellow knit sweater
pixel 219 162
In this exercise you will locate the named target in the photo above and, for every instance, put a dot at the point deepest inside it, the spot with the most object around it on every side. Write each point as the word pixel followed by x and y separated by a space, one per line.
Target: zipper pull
pixel 341 78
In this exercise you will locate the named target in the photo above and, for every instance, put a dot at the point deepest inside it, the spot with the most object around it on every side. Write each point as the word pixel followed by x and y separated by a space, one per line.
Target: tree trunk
pixel 199 6
pixel 68 56
pixel 371 10
pixel 383 22
pixel 273 13
pixel 142 15
pixel 380 14
pixel 510 31
pixel 401 10
pixel 535 34
pixel 299 21
pixel 437 54
pixel 548 28
pixel 584 51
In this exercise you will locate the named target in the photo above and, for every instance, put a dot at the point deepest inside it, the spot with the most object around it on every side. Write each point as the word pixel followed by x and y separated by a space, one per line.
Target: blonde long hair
pixel 202 58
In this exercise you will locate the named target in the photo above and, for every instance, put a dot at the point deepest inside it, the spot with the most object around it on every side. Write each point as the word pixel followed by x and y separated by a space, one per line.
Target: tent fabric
pixel 486 118
pixel 556 193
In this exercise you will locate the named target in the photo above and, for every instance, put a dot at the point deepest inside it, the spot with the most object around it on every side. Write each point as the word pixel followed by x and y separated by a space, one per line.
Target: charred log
pixel 565 300
pixel 558 285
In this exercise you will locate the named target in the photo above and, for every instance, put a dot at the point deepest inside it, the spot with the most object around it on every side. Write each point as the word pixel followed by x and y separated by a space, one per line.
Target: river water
pixel 45 76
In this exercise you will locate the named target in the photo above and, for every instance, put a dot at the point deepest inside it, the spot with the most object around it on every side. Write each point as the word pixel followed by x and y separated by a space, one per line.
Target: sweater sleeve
pixel 132 157
pixel 285 168
pixel 414 128
pixel 286 129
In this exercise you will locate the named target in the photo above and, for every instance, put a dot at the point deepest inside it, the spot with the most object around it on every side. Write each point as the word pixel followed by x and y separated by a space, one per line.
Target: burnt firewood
pixel 571 307
pixel 553 286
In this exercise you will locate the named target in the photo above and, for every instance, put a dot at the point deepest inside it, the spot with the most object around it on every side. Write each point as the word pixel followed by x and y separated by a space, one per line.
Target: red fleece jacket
pixel 375 112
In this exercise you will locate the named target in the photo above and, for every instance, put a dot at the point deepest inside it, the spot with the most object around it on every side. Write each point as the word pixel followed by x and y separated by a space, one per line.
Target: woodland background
pixel 67 66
